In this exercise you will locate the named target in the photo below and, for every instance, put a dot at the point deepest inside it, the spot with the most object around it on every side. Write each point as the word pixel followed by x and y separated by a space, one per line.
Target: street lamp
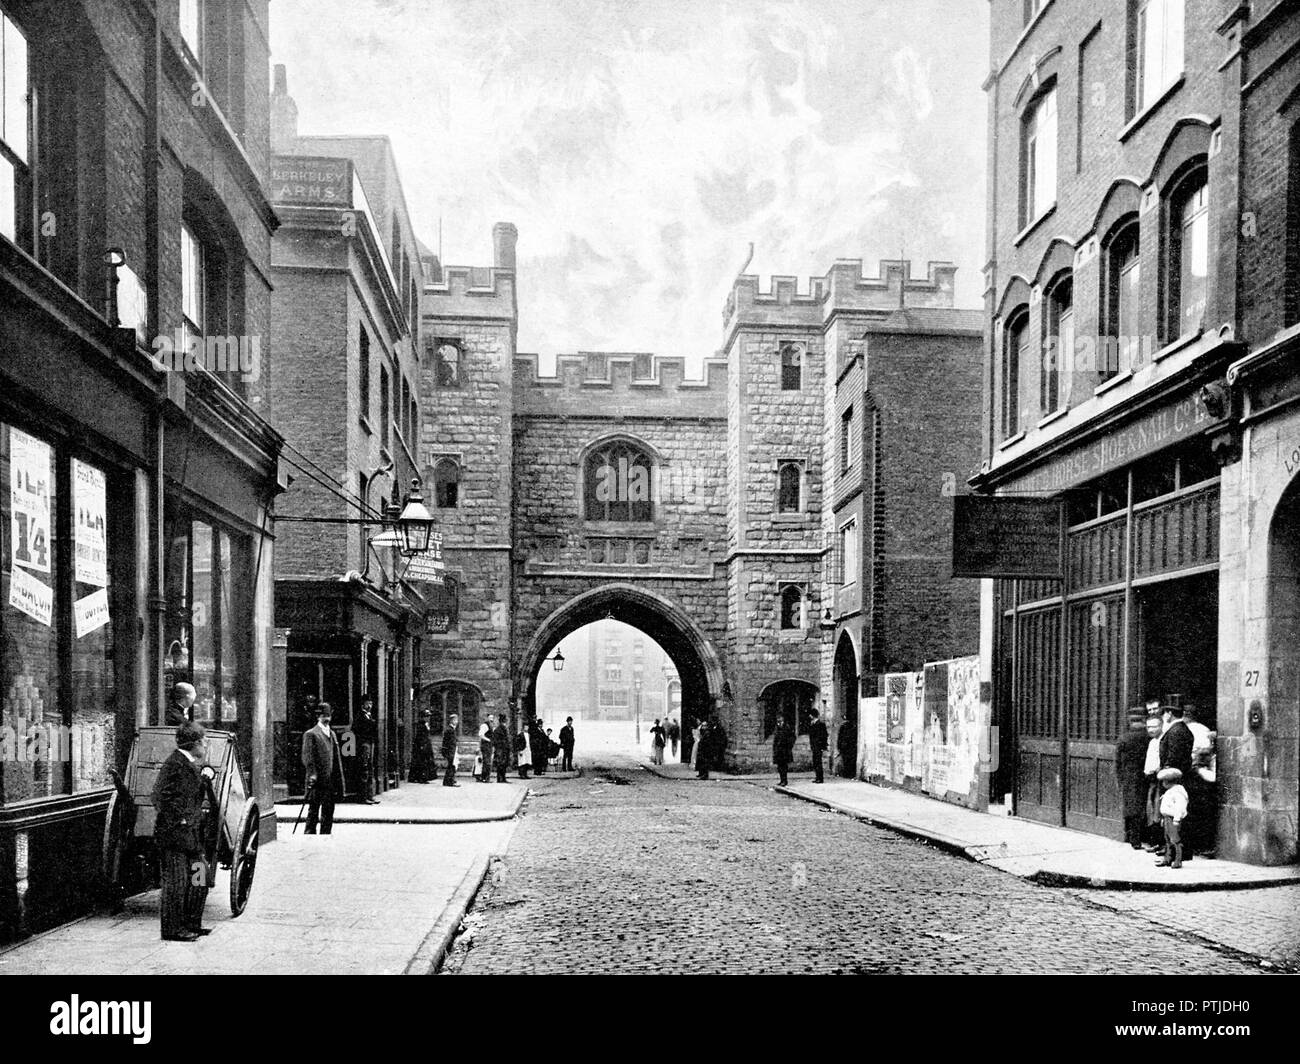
pixel 415 523
pixel 637 669
pixel 557 661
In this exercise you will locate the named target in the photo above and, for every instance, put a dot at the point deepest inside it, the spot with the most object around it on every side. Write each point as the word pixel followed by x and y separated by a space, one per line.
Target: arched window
pixel 446 484
pixel 790 700
pixel 452 696
pixel 789 488
pixel 1017 376
pixel 791 607
pixel 446 365
pixel 1187 265
pixel 1120 290
pixel 1058 351
pixel 1038 153
pixel 618 484
pixel 791 367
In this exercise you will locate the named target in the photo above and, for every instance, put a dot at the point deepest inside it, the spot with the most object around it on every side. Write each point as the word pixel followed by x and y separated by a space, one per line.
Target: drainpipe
pixel 153 271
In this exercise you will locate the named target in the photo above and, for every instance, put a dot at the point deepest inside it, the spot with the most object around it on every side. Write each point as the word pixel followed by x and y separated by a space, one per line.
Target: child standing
pixel 1173 809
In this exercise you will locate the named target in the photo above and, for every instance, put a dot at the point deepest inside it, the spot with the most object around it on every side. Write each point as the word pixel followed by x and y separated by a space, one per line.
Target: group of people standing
pixel 708 746
pixel 1166 784
pixel 531 747
pixel 663 735
pixel 783 746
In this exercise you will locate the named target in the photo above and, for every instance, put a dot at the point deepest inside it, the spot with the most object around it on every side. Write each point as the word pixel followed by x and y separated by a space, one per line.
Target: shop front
pixel 1134 618
pixel 346 641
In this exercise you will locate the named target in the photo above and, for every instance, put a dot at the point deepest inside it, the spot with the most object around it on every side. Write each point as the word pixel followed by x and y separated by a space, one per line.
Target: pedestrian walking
pixel 657 742
pixel 523 755
pixel 674 735
pixel 423 768
pixel 367 735
pixel 181 707
pixel 323 762
pixel 783 749
pixel 485 731
pixel 566 745
pixel 1130 774
pixel 178 834
pixel 818 741
pixel 449 750
pixel 502 748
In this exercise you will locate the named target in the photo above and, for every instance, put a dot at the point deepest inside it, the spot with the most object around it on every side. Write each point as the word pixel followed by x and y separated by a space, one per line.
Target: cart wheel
pixel 113 849
pixel 244 861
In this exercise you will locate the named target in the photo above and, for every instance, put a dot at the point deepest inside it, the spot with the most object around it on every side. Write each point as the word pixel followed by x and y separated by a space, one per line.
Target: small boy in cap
pixel 1173 809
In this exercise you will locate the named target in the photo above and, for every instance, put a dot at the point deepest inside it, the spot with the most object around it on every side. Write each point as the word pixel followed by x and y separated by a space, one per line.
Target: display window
pixel 59 718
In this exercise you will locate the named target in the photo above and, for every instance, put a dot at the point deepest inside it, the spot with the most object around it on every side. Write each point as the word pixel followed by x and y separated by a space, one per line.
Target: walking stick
pixel 305 796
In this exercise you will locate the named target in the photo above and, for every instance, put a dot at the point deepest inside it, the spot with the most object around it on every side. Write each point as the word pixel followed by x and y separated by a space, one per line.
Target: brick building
pixel 691 509
pixel 1141 235
pixel 135 239
pixel 346 323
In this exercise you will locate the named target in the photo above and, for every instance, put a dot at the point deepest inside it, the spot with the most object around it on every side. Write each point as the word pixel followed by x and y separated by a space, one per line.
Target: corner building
pixel 1126 290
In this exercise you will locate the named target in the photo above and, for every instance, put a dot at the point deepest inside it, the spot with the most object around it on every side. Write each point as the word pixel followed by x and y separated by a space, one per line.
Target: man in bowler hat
pixel 818 741
pixel 323 761
pixel 449 750
pixel 178 833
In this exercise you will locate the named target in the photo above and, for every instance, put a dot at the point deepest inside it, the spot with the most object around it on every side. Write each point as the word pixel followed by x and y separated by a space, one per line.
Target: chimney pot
pixel 504 238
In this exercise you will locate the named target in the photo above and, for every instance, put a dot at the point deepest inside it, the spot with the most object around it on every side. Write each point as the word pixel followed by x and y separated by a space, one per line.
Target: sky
pixel 640 146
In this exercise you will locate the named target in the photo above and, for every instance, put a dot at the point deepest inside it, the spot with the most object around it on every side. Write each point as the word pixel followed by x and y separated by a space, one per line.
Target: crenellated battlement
pixel 615 383
pixel 470 291
pixel 844 288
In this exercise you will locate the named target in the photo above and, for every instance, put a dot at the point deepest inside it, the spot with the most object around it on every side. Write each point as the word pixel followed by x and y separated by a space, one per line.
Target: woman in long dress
pixel 695 744
pixel 423 767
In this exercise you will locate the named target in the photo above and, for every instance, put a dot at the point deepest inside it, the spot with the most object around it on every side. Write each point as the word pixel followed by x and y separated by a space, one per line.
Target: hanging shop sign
pixel 995 536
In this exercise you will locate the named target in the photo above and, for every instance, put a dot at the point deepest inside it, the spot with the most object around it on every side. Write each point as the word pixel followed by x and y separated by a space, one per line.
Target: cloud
pixel 640 147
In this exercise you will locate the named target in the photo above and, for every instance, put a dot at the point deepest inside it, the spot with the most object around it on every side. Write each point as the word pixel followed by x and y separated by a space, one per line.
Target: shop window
pixel 1155 50
pixel 788 700
pixel 618 483
pixel 15 143
pixel 1154 477
pixel 789 488
pixel 446 365
pixel 446 484
pixel 1187 264
pixel 59 715
pixel 208 585
pixel 792 607
pixel 1120 349
pixel 791 367
pixel 1196 464
pixel 1017 375
pixel 450 697
pixel 1058 351
pixel 1038 153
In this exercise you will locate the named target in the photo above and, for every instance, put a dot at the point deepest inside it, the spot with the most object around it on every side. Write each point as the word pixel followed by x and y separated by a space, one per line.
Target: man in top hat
pixel 449 750
pixel 323 760
pixel 178 834
pixel 503 748
pixel 1130 774
pixel 367 732
pixel 181 707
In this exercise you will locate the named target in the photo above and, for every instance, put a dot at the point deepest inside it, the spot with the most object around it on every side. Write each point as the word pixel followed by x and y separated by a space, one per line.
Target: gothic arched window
pixel 452 696
pixel 618 484
pixel 791 606
pixel 791 367
pixel 446 484
pixel 791 700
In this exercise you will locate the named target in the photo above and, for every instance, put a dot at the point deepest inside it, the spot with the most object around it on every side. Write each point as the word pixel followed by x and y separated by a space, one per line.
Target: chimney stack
pixel 284 114
pixel 504 237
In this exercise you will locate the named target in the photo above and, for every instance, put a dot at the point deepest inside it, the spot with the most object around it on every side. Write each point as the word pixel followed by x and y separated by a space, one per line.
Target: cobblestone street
pixel 621 871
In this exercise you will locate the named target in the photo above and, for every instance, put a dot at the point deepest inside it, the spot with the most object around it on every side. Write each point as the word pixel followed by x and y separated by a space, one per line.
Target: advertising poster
pixel 89 500
pixel 29 500
pixel 90 613
pixel 28 595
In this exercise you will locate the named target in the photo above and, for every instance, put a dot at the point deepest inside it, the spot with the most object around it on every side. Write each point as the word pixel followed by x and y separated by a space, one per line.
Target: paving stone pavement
pixel 685 876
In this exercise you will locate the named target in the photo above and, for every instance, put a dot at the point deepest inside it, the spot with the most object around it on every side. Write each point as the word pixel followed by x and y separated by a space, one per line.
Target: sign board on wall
pixel 309 180
pixel 996 536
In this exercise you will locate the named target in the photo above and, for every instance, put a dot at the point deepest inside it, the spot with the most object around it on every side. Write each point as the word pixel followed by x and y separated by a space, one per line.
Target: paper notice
pixel 90 613
pixel 28 594
pixel 29 499
pixel 89 500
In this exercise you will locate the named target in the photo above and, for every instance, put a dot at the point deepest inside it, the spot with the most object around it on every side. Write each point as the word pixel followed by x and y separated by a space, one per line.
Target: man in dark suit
pixel 783 749
pixel 449 750
pixel 566 745
pixel 1130 774
pixel 367 732
pixel 323 761
pixel 178 804
pixel 1176 752
pixel 818 741
pixel 181 707
pixel 503 748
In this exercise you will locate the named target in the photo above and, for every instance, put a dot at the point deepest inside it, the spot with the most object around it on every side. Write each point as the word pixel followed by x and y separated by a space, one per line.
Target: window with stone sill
pixel 447 365
pixel 15 137
pixel 1038 155
pixel 446 484
pixel 789 488
pixel 1156 31
pixel 1121 292
pixel 792 607
pixel 791 367
pixel 1189 253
